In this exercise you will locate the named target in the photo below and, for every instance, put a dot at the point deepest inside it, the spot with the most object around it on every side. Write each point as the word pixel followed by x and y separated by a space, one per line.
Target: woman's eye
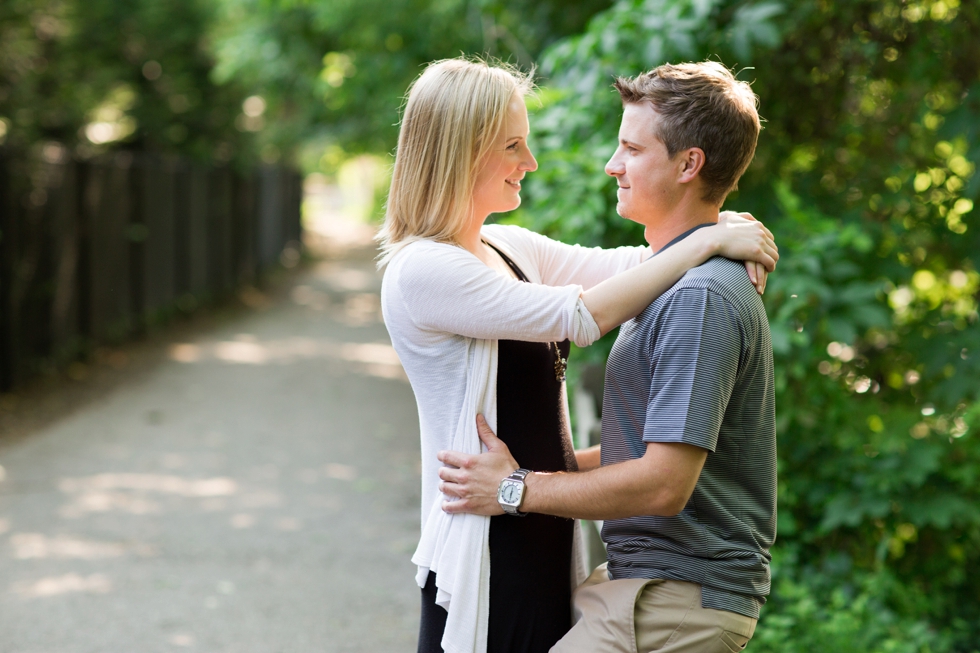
pixel 512 146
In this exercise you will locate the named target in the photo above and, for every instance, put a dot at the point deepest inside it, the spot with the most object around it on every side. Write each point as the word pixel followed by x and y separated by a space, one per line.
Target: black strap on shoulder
pixel 513 266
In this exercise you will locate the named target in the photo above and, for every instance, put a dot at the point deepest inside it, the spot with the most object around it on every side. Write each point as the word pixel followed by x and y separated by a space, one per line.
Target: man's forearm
pixel 612 492
pixel 659 483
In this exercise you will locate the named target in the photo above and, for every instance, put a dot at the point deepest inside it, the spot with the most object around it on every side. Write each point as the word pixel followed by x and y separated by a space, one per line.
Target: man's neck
pixel 658 233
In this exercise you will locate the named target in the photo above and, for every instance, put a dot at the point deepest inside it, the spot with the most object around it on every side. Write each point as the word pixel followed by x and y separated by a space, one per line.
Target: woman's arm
pixel 588 458
pixel 561 264
pixel 446 289
pixel 624 296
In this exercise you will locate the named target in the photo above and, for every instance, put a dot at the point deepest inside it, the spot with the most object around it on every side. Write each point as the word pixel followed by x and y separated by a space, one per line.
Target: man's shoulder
pixel 722 277
pixel 718 277
pixel 718 274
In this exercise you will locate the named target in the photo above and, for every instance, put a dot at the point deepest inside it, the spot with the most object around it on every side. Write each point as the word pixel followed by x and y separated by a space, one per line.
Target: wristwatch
pixel 510 493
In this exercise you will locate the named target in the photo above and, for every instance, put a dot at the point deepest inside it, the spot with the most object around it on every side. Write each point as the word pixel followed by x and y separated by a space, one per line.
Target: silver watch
pixel 510 493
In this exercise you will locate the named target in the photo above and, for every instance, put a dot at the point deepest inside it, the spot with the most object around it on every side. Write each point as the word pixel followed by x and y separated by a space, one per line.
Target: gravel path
pixel 255 490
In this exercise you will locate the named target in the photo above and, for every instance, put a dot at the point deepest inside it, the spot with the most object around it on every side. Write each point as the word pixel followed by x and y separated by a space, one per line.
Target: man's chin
pixel 625 213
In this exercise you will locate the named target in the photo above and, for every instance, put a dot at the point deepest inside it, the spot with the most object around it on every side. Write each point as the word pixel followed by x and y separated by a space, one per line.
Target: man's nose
pixel 614 167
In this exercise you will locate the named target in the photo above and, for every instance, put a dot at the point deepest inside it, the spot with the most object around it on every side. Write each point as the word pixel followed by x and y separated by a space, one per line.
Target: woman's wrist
pixel 709 243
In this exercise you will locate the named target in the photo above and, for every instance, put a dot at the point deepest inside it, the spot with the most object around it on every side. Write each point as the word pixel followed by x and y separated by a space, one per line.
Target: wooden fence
pixel 93 251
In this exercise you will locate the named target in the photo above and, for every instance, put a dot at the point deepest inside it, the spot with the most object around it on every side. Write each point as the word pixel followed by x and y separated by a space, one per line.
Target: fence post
pixel 197 231
pixel 159 251
pixel 6 275
pixel 136 233
pixel 65 233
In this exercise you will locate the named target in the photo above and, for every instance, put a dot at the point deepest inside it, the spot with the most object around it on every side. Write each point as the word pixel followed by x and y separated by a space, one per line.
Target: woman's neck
pixel 471 240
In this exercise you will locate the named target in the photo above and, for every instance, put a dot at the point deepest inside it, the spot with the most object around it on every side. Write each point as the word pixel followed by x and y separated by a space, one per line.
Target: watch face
pixel 510 492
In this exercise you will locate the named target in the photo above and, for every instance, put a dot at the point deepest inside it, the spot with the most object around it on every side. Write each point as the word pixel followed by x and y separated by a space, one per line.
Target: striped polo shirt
pixel 696 367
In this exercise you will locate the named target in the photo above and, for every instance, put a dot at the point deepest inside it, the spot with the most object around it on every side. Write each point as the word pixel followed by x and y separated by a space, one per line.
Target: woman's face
pixel 498 183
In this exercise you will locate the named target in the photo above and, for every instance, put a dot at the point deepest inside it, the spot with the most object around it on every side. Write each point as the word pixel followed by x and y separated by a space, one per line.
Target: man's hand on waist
pixel 474 479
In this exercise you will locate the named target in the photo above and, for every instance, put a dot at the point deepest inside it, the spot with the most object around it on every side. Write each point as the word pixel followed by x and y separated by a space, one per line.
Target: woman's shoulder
pixel 425 252
pixel 516 239
pixel 427 263
pixel 509 232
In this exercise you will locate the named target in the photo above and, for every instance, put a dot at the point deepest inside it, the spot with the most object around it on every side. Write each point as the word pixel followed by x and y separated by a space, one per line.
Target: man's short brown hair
pixel 701 105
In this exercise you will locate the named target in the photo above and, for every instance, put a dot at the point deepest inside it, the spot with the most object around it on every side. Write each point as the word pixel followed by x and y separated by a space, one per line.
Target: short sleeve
pixel 694 365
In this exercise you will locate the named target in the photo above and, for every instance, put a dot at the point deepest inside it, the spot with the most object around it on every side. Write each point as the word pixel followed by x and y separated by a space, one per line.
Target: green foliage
pixel 334 73
pixel 99 74
pixel 844 611
pixel 866 173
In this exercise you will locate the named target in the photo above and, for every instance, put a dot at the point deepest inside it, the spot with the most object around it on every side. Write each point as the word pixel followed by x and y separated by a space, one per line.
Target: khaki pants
pixel 641 615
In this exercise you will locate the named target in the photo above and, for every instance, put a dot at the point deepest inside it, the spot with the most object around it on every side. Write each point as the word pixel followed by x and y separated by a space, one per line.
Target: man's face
pixel 646 175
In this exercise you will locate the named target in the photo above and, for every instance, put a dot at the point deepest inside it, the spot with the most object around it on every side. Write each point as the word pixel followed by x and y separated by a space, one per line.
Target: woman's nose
pixel 529 163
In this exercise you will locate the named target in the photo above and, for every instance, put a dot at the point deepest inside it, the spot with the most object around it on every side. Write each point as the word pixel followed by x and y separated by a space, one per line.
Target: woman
pixel 481 317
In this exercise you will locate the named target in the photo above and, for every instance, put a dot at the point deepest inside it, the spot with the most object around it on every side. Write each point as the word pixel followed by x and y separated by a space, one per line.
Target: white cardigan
pixel 445 311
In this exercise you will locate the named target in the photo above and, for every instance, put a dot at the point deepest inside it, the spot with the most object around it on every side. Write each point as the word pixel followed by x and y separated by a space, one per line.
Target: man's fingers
pixel 455 458
pixel 450 488
pixel 452 475
pixel 487 436
pixel 453 507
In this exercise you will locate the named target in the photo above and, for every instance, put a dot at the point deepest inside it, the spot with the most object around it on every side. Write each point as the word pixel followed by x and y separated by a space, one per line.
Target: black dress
pixel 531 556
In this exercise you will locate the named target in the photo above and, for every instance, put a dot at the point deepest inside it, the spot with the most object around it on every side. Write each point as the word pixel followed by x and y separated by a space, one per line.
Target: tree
pixel 99 74
pixel 865 170
pixel 334 73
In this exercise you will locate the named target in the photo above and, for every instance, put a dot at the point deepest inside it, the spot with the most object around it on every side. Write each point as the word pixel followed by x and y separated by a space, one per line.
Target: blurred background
pixel 153 154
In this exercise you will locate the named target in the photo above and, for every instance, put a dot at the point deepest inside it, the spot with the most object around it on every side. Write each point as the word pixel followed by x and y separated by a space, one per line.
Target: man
pixel 687 482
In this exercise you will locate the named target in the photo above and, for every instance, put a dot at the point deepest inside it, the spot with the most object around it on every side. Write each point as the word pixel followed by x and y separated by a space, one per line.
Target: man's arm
pixel 659 483
pixel 677 441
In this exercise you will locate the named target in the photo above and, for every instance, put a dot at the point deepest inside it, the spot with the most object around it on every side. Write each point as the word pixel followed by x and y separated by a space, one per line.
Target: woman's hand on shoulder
pixel 742 237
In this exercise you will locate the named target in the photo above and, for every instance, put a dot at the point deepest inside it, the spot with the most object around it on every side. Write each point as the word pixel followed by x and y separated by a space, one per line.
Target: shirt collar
pixel 685 235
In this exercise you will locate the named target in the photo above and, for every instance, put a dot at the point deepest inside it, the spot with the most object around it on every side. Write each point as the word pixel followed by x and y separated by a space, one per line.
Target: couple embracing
pixel 482 316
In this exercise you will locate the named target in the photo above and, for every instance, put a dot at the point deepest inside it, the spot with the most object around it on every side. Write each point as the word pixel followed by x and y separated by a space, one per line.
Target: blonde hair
pixel 455 110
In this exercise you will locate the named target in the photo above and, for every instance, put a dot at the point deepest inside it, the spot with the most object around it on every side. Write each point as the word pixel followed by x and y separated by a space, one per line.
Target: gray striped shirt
pixel 696 367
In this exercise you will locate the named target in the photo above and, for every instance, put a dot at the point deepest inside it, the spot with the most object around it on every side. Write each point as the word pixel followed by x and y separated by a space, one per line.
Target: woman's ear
pixel 692 160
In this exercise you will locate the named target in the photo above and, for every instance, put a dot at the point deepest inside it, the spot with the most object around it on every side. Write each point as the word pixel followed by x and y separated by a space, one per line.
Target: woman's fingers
pixel 757 274
pixel 744 220
pixel 761 276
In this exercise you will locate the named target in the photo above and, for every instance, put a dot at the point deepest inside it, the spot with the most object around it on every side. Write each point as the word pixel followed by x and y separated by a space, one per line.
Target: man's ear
pixel 692 160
